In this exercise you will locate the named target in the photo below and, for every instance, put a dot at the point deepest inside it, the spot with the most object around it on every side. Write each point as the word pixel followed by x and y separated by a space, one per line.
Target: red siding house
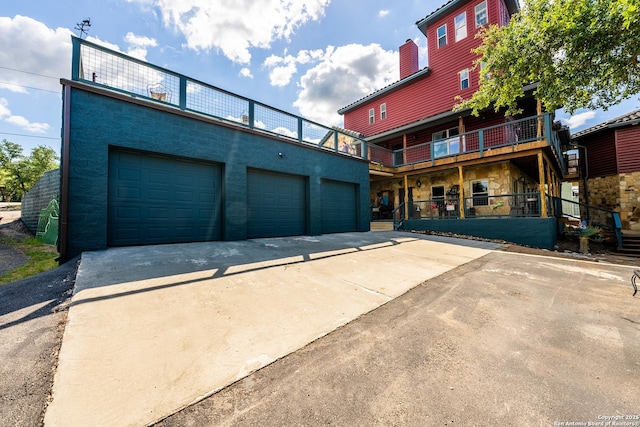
pixel 429 162
pixel 610 167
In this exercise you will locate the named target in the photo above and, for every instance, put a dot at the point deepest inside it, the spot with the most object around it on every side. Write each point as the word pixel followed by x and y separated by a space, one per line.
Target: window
pixel 446 142
pixel 383 111
pixel 480 192
pixel 442 35
pixel 372 116
pixel 437 198
pixel 464 79
pixel 481 14
pixel 461 26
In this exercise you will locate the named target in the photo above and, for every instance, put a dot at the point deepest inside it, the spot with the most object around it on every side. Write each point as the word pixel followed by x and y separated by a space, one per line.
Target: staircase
pixel 630 244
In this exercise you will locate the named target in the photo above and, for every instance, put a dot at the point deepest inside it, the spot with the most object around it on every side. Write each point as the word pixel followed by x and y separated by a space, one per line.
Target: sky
pixel 306 57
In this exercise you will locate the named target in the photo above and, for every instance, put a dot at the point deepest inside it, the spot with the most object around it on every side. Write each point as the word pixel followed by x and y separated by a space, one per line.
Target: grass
pixel 41 258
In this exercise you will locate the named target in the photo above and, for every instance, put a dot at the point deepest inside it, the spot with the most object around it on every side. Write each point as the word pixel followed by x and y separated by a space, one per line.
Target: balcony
pixel 515 136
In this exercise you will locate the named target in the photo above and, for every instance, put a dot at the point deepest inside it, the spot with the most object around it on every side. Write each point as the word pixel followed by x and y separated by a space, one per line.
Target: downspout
pixel 586 173
pixel 64 176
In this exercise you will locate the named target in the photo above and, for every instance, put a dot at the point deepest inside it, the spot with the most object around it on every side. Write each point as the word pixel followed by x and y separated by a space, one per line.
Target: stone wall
pixel 604 192
pixel 46 189
pixel 630 200
pixel 502 179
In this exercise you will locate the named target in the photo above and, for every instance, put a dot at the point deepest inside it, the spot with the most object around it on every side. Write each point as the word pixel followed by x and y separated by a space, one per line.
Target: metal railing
pixel 529 129
pixel 594 216
pixel 100 66
pixel 520 205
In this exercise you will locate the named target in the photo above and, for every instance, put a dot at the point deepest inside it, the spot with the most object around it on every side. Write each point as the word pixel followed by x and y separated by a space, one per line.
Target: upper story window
pixel 444 134
pixel 442 35
pixel 464 79
pixel 446 142
pixel 372 116
pixel 383 111
pixel 481 14
pixel 461 26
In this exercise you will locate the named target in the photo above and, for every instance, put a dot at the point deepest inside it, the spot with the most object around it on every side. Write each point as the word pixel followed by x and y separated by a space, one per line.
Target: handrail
pixel 597 216
pixel 100 66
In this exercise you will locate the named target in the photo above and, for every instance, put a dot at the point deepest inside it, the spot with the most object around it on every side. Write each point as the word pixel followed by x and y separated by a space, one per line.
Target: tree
pixel 581 54
pixel 19 173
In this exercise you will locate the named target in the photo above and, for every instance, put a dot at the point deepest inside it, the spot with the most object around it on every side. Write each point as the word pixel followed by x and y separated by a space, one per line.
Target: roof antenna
pixel 82 25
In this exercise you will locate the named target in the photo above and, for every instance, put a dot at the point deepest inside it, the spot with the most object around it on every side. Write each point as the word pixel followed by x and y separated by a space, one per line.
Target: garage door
pixel 155 199
pixel 277 204
pixel 339 208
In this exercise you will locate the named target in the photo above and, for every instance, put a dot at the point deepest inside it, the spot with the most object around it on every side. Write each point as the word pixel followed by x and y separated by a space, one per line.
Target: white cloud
pixel 281 75
pixel 4 108
pixel 38 49
pixel 245 72
pixel 272 61
pixel 578 120
pixel 383 13
pixel 235 26
pixel 21 122
pixel 138 45
pixel 27 125
pixel 141 41
pixel 344 75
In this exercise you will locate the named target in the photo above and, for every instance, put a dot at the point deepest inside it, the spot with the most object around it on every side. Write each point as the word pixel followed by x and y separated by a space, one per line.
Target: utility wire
pixel 29 87
pixel 28 136
pixel 29 72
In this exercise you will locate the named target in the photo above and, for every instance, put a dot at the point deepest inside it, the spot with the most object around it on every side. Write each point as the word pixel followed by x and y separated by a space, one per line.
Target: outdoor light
pixel 418 183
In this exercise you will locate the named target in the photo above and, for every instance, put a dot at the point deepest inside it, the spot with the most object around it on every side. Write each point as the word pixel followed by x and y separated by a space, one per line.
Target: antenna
pixel 82 25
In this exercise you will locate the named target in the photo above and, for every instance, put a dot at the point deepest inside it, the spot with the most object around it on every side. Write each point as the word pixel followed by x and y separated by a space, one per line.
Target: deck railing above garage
pixel 529 129
pixel 100 66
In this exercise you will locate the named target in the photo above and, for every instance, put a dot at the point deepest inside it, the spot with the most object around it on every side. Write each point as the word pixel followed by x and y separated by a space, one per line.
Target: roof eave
pixel 513 6
pixel 424 72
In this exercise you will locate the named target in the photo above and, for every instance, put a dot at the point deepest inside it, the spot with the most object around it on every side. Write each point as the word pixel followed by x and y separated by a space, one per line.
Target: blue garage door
pixel 156 199
pixel 277 204
pixel 339 208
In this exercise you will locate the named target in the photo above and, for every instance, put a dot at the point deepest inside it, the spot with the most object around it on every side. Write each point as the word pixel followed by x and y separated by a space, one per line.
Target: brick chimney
pixel 408 59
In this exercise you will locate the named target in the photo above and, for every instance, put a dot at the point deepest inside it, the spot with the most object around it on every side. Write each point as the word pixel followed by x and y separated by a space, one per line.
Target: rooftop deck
pixel 97 65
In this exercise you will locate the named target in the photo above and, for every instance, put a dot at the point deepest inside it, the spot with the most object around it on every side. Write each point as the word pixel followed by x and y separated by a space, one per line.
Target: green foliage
pixel 581 54
pixel 19 173
pixel 41 258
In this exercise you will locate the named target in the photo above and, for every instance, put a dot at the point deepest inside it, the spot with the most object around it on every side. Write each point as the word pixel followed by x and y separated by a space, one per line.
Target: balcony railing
pixel 100 66
pixel 530 129
pixel 520 205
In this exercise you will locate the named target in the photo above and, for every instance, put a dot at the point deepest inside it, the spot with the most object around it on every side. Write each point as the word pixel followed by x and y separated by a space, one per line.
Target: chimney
pixel 408 59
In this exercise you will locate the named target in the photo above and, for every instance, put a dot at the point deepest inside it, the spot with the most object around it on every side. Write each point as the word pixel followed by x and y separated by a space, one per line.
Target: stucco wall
pixel 98 122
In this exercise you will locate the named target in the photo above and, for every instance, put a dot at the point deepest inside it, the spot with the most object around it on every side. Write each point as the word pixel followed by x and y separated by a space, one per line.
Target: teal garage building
pixel 152 157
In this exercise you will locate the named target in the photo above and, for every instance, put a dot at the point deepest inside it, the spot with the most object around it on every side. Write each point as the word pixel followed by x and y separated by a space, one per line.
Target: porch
pixel 516 218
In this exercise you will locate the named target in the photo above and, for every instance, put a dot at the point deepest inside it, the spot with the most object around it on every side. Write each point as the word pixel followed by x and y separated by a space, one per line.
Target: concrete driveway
pixel 154 329
pixel 504 340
